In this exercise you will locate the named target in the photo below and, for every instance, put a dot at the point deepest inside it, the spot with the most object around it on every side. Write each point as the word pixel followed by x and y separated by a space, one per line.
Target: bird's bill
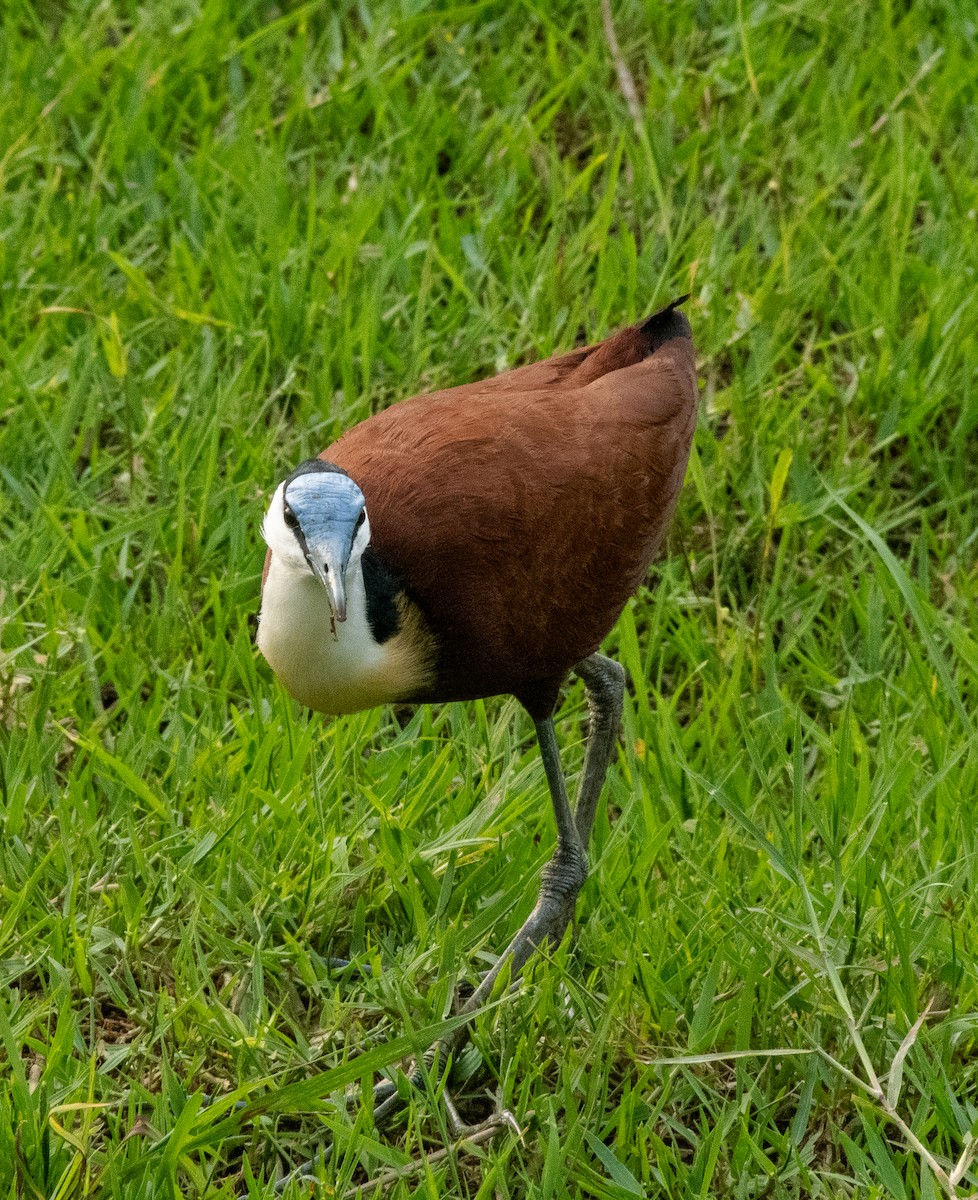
pixel 328 563
pixel 328 509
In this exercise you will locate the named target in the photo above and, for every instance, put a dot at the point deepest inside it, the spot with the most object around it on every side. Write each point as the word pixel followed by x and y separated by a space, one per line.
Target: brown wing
pixel 523 517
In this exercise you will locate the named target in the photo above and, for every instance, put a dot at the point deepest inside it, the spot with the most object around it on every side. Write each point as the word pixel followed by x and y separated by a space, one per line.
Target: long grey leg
pixel 604 680
pixel 563 877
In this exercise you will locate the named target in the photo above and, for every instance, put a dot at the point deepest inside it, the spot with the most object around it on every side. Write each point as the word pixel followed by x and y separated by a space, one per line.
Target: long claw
pixel 460 1130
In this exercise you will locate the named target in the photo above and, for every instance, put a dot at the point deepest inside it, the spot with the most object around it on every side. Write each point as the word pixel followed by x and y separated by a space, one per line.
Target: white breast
pixel 332 675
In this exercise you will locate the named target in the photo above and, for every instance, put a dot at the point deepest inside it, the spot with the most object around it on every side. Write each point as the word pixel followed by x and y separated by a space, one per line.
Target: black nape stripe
pixel 666 324
pixel 382 591
pixel 312 465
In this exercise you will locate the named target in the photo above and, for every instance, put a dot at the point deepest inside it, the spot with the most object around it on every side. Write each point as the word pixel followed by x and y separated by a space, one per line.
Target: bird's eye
pixel 360 520
pixel 290 518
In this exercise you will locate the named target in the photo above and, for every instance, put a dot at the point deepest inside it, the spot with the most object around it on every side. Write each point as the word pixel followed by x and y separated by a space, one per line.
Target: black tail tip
pixel 666 324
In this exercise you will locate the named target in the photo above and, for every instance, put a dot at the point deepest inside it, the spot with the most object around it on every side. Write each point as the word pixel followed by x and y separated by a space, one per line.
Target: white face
pixel 279 537
pixel 285 547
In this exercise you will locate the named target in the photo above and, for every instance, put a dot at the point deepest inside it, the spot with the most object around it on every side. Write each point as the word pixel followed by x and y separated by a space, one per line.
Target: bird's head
pixel 317 523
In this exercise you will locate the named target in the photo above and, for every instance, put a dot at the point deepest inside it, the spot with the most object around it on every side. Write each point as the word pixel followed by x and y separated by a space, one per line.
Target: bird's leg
pixel 604 681
pixel 564 875
pixel 562 879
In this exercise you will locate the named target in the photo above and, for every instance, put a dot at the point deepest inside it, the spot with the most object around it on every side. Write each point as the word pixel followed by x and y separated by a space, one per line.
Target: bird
pixel 482 541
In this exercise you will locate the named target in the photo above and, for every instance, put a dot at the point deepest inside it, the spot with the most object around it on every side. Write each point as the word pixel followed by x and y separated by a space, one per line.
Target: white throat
pixel 333 674
pixel 332 666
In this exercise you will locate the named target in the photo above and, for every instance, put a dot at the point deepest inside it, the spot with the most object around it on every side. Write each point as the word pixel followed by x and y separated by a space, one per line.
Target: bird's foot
pixel 562 880
pixel 389 1101
pixel 547 923
pixel 461 1133
pixel 501 1118
pixel 351 968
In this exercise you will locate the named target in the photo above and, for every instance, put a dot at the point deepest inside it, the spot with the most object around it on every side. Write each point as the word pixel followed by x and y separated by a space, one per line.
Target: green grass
pixel 229 231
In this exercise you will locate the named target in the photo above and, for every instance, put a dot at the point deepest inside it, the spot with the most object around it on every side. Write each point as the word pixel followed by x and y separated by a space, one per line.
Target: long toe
pixel 386 1104
pixel 498 1120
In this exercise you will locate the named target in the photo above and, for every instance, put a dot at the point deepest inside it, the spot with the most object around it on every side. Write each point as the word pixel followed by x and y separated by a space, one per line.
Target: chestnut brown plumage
pixel 523 511
pixel 484 540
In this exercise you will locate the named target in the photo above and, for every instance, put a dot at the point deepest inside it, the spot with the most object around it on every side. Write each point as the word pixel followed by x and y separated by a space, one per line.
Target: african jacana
pixel 483 540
